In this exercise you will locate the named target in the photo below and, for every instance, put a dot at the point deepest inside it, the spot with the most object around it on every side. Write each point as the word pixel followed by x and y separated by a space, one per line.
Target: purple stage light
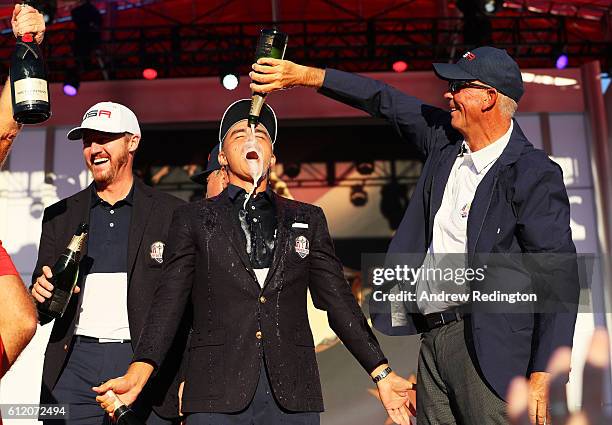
pixel 70 90
pixel 562 61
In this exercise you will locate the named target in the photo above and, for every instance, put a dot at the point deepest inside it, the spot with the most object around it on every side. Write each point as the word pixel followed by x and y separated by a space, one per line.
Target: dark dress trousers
pixel 236 323
pixel 520 206
pixel 151 217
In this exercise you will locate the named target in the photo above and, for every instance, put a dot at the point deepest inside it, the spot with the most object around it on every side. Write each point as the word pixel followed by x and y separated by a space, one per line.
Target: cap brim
pixel 75 134
pixel 451 71
pixel 200 178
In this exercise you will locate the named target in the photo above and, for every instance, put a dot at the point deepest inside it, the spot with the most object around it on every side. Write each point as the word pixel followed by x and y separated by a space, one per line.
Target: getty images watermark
pixel 497 283
pixel 434 280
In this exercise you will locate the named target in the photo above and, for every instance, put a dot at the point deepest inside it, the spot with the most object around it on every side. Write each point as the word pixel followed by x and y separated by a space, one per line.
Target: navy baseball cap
pixel 239 110
pixel 211 165
pixel 492 66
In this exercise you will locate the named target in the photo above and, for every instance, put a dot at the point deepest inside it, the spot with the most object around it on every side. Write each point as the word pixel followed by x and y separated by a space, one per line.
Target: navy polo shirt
pixel 109 228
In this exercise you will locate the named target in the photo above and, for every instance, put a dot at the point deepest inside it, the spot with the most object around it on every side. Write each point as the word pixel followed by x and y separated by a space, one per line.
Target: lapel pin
pixel 302 246
pixel 157 251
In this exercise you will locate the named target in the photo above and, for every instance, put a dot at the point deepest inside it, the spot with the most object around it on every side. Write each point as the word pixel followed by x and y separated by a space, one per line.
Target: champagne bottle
pixel 272 44
pixel 123 415
pixel 65 273
pixel 29 86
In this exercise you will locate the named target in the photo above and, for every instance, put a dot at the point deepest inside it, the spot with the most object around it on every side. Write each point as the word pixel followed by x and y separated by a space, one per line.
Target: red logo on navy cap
pixel 469 56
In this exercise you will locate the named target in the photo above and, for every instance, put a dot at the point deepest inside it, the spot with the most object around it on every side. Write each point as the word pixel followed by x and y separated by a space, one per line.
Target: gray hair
pixel 507 106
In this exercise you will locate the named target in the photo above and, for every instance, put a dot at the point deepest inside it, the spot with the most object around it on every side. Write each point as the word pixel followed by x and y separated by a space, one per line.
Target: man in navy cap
pixel 246 258
pixel 484 189
pixel 214 176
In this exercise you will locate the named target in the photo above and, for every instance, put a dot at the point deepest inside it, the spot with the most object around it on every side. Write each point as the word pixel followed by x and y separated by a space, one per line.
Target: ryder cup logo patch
pixel 157 251
pixel 301 246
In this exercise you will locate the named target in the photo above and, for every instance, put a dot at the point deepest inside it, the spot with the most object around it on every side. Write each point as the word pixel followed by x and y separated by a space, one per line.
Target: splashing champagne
pixel 272 44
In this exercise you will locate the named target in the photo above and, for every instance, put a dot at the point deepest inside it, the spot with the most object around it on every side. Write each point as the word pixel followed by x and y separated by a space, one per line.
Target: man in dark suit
pixel 119 272
pixel 246 259
pixel 484 189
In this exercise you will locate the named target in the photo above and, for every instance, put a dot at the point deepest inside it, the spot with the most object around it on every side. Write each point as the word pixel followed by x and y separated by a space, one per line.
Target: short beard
pixel 107 178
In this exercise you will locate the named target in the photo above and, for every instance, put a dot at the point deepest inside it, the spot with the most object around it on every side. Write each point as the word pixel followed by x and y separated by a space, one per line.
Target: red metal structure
pixel 187 38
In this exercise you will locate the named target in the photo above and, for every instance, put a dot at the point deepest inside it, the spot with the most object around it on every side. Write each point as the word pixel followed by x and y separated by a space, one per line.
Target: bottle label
pixel 30 90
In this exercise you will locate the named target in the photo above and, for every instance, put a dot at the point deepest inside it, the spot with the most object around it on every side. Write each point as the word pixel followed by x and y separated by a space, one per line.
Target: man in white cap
pixel 119 272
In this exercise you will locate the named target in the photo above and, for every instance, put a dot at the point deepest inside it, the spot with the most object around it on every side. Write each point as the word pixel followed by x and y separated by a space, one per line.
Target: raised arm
pixel 410 117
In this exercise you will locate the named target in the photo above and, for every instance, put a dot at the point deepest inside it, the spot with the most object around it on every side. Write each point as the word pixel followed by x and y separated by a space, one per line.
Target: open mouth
pixel 99 161
pixel 252 155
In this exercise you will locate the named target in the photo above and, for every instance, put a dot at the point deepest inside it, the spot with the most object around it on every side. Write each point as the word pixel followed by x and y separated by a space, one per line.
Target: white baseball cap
pixel 108 117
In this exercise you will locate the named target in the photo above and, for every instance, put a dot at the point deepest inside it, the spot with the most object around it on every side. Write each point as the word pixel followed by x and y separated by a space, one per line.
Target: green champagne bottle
pixel 65 272
pixel 272 44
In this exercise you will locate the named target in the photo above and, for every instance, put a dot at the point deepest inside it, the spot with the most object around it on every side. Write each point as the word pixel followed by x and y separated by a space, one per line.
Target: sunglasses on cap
pixel 457 85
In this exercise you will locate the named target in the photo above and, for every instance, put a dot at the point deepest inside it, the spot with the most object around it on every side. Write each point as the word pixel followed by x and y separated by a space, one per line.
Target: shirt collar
pixel 95 199
pixel 234 191
pixel 485 156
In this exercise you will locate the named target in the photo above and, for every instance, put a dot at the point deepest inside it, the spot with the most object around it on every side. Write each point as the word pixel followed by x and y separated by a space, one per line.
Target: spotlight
pixel 400 66
pixel 149 73
pixel 490 7
pixel 365 167
pixel 562 61
pixel 359 197
pixel 291 170
pixel 71 83
pixel 230 80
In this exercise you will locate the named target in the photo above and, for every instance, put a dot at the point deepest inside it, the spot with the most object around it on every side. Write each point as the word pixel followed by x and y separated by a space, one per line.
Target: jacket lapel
pixel 78 212
pixel 484 192
pixel 226 217
pixel 141 210
pixel 282 236
pixel 480 207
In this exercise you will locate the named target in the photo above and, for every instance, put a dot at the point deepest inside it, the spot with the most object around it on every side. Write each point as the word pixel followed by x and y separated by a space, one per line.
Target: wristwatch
pixel 382 374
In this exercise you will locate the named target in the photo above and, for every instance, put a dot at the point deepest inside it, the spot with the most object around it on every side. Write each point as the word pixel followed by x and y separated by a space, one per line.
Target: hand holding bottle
pixel 122 414
pixel 42 287
pixel 27 20
pixel 127 386
pixel 271 74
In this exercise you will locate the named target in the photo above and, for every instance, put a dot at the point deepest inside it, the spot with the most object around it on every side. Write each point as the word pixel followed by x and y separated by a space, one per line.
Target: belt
pixel 435 320
pixel 89 339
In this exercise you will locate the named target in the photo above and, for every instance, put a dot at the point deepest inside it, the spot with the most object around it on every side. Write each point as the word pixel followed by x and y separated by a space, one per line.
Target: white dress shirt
pixel 450 221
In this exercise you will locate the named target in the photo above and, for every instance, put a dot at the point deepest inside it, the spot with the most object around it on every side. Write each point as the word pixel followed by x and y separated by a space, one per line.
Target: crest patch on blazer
pixel 302 246
pixel 157 251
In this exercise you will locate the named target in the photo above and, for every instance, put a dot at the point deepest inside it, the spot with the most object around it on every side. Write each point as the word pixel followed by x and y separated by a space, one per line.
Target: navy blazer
pixel 520 206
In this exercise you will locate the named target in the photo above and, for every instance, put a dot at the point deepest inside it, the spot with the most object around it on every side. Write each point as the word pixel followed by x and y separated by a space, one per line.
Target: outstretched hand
pixel 394 395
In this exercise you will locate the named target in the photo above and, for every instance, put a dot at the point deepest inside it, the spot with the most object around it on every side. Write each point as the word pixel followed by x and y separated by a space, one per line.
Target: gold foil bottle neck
pixel 256 104
pixel 76 244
